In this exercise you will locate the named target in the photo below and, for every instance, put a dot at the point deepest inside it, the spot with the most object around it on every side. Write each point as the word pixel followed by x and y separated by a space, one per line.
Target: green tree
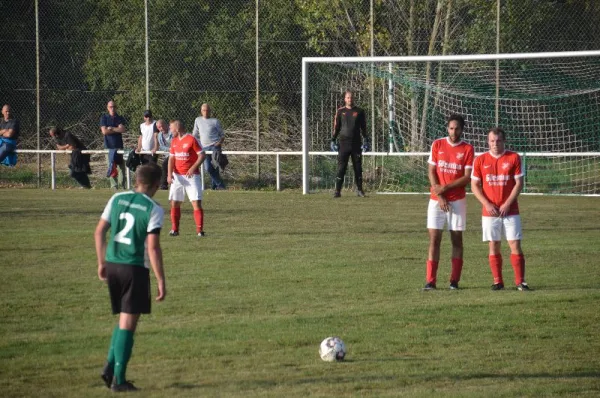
pixel 341 28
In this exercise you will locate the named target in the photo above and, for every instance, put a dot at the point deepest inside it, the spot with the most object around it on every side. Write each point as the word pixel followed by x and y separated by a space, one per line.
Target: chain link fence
pixel 241 57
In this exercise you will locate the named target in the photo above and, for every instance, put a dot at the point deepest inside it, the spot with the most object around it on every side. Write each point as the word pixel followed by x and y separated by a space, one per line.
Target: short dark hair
pixel 149 174
pixel 457 118
pixel 178 123
pixel 348 91
pixel 55 130
pixel 498 131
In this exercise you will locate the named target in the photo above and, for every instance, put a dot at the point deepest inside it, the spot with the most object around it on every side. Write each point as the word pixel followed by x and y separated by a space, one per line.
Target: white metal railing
pixel 286 153
pixel 277 155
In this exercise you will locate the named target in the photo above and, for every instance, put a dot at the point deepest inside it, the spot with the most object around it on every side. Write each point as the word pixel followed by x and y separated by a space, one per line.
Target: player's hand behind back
pixel 334 146
pixel 366 146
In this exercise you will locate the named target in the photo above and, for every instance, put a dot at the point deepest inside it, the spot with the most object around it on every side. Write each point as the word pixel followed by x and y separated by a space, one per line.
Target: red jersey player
pixel 496 182
pixel 450 164
pixel 184 161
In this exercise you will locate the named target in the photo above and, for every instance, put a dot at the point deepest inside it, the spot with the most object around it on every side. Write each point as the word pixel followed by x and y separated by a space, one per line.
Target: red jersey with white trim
pixel 497 175
pixel 451 161
pixel 186 150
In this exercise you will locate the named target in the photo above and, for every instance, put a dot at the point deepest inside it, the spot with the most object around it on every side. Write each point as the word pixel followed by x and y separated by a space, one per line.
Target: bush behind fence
pixel 247 67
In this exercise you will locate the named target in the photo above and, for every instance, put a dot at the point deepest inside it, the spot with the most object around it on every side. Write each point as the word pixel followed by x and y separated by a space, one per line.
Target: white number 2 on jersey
pixel 129 221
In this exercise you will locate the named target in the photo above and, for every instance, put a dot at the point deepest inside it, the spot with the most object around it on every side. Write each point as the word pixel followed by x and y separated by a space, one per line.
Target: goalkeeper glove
pixel 366 146
pixel 334 146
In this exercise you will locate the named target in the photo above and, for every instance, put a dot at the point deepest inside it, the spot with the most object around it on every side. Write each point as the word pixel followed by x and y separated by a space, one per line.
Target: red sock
pixel 457 264
pixel 432 267
pixel 518 264
pixel 496 267
pixel 199 218
pixel 175 216
pixel 114 172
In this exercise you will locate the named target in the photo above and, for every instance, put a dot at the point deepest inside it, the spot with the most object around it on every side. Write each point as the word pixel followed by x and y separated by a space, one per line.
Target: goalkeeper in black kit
pixel 349 129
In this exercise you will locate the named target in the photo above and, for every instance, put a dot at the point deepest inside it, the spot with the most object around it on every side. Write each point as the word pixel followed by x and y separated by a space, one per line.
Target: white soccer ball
pixel 332 349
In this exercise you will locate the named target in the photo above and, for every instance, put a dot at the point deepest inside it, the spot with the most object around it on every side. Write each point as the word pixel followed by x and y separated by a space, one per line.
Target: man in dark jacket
pixel 113 127
pixel 80 162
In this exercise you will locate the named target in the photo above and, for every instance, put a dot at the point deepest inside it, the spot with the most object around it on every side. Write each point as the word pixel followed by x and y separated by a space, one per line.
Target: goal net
pixel 549 105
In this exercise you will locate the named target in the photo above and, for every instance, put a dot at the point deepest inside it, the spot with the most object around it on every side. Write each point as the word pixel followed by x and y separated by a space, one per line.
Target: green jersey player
pixel 134 220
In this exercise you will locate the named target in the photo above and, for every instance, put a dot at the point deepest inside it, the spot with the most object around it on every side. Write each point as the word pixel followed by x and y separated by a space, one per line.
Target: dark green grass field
pixel 248 305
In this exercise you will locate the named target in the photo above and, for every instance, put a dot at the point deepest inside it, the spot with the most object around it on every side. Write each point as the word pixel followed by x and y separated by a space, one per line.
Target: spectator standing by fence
pixel 9 133
pixel 112 126
pixel 80 163
pixel 147 140
pixel 208 130
pixel 164 138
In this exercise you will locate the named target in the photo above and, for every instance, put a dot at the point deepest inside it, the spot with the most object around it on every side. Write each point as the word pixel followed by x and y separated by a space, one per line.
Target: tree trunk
pixel 444 51
pixel 414 118
pixel 423 128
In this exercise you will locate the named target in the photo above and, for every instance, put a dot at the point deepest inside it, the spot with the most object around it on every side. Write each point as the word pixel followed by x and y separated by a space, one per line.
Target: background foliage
pixel 93 50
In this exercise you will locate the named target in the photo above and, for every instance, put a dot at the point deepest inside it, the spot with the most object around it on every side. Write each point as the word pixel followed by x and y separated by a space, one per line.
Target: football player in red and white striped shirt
pixel 184 176
pixel 450 164
pixel 497 181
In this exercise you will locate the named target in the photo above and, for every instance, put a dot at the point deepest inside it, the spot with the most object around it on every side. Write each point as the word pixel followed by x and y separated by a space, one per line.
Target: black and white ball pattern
pixel 332 349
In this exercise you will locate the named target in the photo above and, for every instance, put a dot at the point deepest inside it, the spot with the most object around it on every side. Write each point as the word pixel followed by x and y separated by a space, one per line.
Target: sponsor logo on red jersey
pixel 498 176
pixel 451 161
pixel 185 149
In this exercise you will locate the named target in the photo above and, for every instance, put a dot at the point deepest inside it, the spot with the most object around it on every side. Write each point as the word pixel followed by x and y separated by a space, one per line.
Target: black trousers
pixel 344 154
pixel 145 158
pixel 165 171
pixel 82 178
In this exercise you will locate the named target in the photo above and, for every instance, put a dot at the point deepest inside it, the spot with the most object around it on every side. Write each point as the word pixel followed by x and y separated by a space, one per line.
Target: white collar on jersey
pixel 497 156
pixel 450 142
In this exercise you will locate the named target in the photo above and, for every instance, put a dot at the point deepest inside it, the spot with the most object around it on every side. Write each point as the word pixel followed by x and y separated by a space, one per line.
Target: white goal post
pixel 547 99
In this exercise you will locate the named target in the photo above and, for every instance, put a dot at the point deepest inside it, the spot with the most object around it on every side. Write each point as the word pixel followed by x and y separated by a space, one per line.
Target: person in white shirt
pixel 208 130
pixel 148 140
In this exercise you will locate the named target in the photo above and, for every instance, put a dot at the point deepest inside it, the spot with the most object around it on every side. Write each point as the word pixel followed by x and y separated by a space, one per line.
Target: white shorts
pixel 181 185
pixel 456 217
pixel 495 227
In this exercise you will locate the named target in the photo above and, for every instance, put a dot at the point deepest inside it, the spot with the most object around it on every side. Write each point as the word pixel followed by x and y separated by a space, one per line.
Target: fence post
pixel 277 172
pixel 147 63
pixel 37 91
pixel 257 84
pixel 53 168
pixel 497 104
